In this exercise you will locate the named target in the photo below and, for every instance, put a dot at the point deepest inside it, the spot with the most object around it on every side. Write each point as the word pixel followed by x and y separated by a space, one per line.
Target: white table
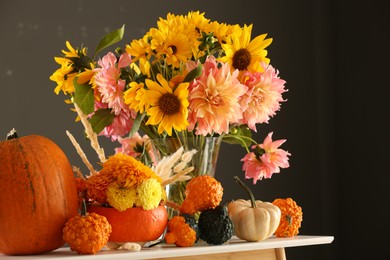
pixel 269 249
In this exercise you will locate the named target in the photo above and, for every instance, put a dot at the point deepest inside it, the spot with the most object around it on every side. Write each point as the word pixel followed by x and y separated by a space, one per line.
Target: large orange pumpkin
pixel 37 195
pixel 134 224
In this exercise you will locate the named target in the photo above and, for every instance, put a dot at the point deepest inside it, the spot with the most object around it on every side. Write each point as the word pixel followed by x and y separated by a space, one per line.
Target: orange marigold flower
pixel 123 170
pixel 97 186
pixel 127 171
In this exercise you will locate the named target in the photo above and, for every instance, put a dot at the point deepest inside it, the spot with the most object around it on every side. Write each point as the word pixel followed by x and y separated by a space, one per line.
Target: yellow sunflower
pixel 244 54
pixel 175 47
pixel 168 109
pixel 73 53
pixel 63 76
pixel 74 61
pixel 134 96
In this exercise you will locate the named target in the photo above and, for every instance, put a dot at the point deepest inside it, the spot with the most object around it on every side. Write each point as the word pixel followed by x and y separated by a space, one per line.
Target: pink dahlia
pixel 214 97
pixel 121 124
pixel 109 84
pixel 266 159
pixel 263 98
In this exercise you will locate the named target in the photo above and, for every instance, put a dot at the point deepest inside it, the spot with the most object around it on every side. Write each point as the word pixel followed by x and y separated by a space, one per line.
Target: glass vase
pixel 204 161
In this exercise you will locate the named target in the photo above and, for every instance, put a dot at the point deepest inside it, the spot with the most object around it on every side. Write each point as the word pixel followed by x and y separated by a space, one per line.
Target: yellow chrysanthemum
pixel 127 171
pixel 168 109
pixel 244 54
pixel 121 198
pixel 149 194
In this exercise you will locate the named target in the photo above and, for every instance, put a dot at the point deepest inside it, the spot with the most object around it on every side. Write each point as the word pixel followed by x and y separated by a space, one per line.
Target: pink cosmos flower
pixel 262 100
pixel 266 160
pixel 214 97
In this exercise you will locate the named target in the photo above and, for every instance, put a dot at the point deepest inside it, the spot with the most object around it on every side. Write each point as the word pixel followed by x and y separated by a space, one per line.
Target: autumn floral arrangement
pixel 189 77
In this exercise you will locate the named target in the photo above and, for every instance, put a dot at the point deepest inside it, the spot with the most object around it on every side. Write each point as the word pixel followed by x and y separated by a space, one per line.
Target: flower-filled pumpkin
pixel 37 195
pixel 134 224
pixel 254 220
pixel 291 218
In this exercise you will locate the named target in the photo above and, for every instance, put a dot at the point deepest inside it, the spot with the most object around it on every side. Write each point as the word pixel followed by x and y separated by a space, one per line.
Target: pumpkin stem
pixel 246 188
pixel 12 134
pixel 83 208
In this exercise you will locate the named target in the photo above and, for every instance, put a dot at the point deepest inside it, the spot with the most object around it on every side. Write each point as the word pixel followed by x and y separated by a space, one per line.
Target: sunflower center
pixel 241 59
pixel 169 104
pixel 174 49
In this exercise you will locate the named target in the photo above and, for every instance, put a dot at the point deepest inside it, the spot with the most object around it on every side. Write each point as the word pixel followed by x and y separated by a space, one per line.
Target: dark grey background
pixel 334 56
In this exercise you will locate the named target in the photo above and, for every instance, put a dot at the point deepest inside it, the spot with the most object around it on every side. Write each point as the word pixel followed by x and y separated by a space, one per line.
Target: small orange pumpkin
pixel 291 218
pixel 202 192
pixel 37 195
pixel 134 224
pixel 87 233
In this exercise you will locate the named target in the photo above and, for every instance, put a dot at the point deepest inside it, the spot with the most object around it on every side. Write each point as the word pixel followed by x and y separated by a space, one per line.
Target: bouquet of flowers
pixel 188 78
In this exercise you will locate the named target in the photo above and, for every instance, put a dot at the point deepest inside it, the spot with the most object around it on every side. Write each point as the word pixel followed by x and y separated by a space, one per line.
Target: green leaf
pixel 100 119
pixel 136 124
pixel 83 97
pixel 241 135
pixel 193 74
pixel 110 39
